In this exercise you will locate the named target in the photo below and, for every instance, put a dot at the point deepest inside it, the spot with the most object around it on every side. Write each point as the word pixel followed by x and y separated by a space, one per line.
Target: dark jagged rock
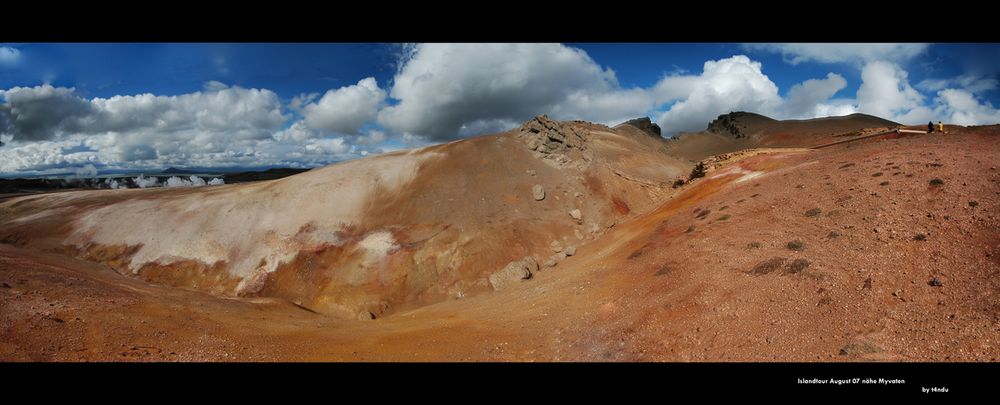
pixel 645 124
pixel 730 124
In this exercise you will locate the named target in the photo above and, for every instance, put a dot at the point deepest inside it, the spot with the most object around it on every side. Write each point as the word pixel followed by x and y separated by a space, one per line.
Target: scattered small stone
pixel 725 217
pixel 973 203
pixel 538 192
pixel 813 212
pixel 920 237
pixel 884 183
pixel 690 229
pixel 754 245
pixel 5 285
pixel 576 214
pixel 570 250
pixel 531 172
pixel 555 246
pixel 663 271
pixel 935 282
pixel 868 284
pixel 879 174
pixel 833 235
pixel 937 182
pixel 796 245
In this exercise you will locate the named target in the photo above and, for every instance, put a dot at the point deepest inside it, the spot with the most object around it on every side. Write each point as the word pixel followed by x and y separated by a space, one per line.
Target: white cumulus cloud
pixel 885 92
pixel 443 87
pixel 730 84
pixel 9 55
pixel 796 53
pixel 343 110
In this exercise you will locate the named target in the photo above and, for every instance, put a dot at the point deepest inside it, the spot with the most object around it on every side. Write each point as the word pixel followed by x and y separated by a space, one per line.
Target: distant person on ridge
pixel 940 127
pixel 930 126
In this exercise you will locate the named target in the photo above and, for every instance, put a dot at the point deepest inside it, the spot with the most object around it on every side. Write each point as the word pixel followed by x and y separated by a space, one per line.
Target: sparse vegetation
pixel 920 237
pixel 679 183
pixel 698 171
pixel 973 203
pixel 796 266
pixel 703 214
pixel 833 235
pixel 754 245
pixel 796 245
pixel 813 212
pixel 768 266
pixel 937 182
pixel 725 217
pixel 855 348
pixel 690 229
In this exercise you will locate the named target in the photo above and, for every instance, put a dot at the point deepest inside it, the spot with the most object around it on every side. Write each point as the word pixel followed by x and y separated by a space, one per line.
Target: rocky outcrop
pixel 646 125
pixel 558 144
pixel 729 124
pixel 513 272
pixel 547 136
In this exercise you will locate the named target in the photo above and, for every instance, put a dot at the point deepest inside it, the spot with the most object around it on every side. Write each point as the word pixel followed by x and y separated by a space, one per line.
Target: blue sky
pixel 145 106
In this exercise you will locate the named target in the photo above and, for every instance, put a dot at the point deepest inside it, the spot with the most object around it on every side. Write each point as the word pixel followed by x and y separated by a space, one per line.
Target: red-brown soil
pixel 842 253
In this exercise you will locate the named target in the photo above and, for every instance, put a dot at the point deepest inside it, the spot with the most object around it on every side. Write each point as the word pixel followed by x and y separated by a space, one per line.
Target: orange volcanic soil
pixel 850 252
